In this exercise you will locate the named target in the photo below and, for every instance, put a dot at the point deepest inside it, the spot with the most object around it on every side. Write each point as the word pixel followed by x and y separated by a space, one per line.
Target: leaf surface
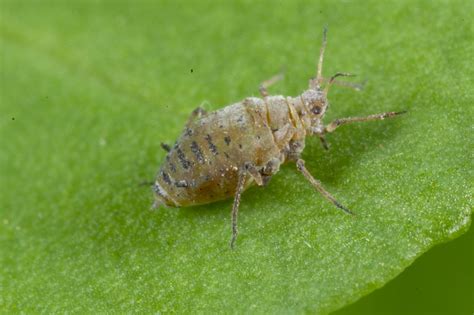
pixel 88 92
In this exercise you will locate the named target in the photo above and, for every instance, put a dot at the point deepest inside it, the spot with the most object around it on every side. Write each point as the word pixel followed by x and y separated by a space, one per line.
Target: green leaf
pixel 89 90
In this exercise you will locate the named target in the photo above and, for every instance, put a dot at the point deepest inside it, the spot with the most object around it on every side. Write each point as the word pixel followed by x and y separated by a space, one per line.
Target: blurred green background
pixel 101 55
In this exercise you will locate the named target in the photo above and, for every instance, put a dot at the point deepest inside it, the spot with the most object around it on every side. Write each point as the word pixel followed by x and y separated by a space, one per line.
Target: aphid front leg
pixel 266 84
pixel 344 121
pixel 318 130
pixel 324 143
pixel 317 184
pixel 235 207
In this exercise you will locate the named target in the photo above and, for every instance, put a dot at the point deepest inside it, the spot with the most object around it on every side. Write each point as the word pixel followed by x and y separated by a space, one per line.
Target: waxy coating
pixel 203 165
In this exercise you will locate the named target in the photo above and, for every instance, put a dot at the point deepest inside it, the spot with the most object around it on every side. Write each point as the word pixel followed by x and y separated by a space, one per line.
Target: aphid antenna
pixel 319 71
pixel 333 78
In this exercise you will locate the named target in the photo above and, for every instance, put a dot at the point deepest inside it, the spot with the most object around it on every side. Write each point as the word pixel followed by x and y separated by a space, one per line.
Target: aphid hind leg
pixel 146 183
pixel 156 204
pixel 197 113
pixel 344 121
pixel 317 184
pixel 235 206
pixel 165 147
pixel 266 84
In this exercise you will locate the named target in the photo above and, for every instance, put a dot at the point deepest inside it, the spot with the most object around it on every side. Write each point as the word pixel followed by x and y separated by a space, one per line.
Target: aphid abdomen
pixel 203 165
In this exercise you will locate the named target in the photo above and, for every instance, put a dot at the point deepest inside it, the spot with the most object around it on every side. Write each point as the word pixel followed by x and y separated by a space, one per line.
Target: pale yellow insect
pixel 221 153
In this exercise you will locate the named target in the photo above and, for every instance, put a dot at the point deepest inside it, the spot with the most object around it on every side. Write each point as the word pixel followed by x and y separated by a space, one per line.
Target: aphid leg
pixel 146 183
pixel 324 142
pixel 252 170
pixel 235 207
pixel 343 121
pixel 317 184
pixel 156 204
pixel 318 130
pixel 266 84
pixel 165 147
pixel 197 113
pixel 284 134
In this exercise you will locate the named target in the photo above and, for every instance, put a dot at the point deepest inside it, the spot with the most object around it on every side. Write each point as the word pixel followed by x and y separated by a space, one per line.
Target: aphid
pixel 222 153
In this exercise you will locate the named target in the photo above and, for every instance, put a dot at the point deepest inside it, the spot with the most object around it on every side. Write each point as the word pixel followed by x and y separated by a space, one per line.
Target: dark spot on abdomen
pixel 166 177
pixel 227 140
pixel 197 152
pixel 212 146
pixel 173 167
pixel 184 162
pixel 188 132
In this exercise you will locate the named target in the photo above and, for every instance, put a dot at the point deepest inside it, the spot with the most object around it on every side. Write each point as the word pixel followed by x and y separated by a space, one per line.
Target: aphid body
pixel 220 154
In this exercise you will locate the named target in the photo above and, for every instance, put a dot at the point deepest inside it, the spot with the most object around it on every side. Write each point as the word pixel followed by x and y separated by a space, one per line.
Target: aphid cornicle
pixel 222 153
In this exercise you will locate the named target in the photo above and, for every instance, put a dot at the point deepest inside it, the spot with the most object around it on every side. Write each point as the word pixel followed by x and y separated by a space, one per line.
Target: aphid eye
pixel 316 110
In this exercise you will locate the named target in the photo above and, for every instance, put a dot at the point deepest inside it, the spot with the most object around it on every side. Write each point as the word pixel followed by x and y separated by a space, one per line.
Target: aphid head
pixel 315 99
pixel 315 102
